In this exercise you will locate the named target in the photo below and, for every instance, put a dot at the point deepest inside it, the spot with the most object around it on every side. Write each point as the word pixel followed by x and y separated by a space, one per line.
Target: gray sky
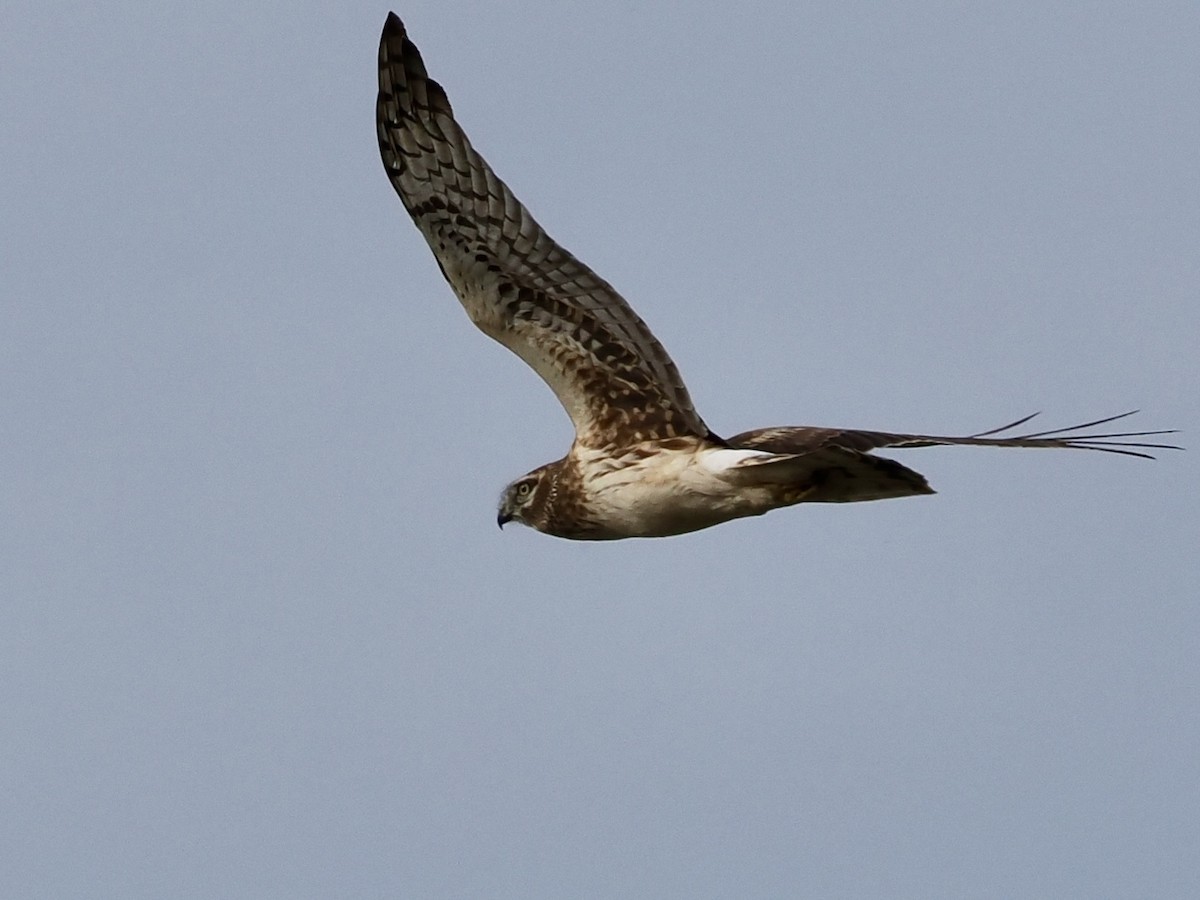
pixel 259 634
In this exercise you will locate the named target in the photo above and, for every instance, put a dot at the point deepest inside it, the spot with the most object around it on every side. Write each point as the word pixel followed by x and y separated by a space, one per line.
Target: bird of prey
pixel 643 462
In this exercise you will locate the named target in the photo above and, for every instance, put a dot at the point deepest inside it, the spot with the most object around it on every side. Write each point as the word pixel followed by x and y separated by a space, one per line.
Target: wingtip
pixel 392 24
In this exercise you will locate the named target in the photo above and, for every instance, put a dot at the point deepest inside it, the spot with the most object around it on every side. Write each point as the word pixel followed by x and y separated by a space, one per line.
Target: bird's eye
pixel 524 489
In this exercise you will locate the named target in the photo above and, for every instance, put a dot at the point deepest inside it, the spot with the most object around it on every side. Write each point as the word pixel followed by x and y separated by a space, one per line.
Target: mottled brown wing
pixel 614 378
pixel 808 440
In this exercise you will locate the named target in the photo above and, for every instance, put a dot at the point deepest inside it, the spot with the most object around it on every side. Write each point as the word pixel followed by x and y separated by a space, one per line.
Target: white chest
pixel 654 492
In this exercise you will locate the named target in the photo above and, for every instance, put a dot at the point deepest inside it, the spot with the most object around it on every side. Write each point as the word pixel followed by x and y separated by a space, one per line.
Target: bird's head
pixel 525 498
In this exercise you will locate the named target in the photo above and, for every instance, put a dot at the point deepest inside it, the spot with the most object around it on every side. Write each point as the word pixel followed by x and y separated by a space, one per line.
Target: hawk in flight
pixel 643 463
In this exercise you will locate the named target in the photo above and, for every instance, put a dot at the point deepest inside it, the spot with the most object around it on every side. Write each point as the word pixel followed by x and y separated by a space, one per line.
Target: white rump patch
pixel 722 460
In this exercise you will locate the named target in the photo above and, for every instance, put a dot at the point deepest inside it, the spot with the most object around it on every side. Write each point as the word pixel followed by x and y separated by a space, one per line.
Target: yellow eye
pixel 524 489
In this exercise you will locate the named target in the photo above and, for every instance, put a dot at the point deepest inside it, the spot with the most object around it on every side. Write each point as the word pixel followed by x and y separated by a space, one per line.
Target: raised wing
pixel 801 440
pixel 614 378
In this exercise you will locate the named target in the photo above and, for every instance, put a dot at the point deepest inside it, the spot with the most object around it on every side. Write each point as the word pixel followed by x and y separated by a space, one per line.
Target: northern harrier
pixel 643 463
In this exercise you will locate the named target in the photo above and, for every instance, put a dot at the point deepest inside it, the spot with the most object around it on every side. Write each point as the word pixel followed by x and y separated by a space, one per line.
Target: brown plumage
pixel 516 283
pixel 643 462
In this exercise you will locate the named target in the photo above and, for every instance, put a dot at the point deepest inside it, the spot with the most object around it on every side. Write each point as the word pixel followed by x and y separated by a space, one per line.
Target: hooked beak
pixel 503 518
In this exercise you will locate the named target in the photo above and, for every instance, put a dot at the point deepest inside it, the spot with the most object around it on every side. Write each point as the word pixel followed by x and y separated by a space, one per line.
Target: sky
pixel 259 634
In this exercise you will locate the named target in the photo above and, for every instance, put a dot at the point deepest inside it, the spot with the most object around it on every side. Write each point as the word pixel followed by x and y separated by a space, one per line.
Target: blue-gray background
pixel 259 635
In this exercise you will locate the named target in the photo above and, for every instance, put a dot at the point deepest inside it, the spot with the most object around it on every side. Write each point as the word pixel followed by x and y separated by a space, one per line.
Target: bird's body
pixel 650 489
pixel 643 463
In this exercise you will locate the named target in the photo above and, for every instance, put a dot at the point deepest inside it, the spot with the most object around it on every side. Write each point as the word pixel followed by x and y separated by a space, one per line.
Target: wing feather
pixel 810 440
pixel 614 378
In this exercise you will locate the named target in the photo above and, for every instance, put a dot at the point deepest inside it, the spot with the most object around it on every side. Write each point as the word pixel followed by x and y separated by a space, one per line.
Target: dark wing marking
pixel 614 378
pixel 808 440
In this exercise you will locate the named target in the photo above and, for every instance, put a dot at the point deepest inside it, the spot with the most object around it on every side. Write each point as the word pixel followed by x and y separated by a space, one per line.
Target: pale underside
pixel 643 463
